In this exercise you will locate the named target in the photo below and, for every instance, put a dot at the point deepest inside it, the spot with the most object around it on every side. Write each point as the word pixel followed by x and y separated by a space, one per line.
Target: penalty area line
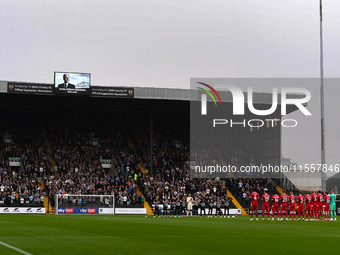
pixel 14 248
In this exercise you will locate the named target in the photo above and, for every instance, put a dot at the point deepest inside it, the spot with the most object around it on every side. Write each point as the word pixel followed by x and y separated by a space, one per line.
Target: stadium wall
pixel 305 181
pixel 3 86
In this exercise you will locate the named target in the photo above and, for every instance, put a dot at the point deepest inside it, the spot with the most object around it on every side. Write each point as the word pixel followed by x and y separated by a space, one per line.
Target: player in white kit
pixel 189 204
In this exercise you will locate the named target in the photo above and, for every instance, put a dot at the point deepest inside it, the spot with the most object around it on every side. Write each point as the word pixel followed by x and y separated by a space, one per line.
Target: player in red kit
pixel 320 205
pixel 275 206
pixel 300 201
pixel 284 201
pixel 265 204
pixel 292 205
pixel 314 205
pixel 308 200
pixel 327 200
pixel 254 196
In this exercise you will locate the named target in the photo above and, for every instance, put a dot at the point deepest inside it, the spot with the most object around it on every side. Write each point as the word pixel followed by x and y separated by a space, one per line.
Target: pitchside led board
pixel 69 83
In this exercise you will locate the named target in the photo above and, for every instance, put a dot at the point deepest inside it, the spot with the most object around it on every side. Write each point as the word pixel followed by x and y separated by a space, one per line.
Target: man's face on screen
pixel 66 78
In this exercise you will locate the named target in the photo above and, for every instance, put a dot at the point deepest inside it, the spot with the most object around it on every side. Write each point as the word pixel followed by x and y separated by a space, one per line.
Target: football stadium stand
pixel 52 145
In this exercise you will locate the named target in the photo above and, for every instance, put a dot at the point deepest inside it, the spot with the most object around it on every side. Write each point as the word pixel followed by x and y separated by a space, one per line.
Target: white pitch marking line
pixel 16 249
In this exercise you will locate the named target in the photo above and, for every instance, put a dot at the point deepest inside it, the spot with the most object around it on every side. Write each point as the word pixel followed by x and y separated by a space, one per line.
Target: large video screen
pixel 72 83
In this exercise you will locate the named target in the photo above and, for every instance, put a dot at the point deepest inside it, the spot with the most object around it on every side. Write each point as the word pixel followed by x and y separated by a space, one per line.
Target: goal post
pixel 84 204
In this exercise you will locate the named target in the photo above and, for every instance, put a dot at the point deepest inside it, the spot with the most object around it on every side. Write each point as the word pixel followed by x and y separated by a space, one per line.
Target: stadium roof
pixel 178 94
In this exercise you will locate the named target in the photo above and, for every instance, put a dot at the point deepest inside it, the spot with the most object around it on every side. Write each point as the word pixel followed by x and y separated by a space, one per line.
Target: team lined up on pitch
pixel 315 206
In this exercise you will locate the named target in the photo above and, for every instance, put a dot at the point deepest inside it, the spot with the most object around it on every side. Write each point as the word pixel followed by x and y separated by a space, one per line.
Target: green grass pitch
pixel 97 234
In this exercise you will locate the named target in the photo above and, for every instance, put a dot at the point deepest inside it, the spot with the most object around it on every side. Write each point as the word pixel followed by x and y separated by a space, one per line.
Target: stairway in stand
pixel 279 189
pixel 47 203
pixel 48 145
pixel 48 206
pixel 236 203
pixel 149 210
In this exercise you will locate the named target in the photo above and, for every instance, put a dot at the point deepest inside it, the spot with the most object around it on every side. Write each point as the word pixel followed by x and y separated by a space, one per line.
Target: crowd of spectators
pixel 77 149
pixel 67 159
pixel 20 138
pixel 20 190
pixel 78 146
pixel 96 182
pixel 170 178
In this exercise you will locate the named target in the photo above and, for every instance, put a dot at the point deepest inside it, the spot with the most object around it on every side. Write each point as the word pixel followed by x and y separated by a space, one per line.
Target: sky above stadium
pixel 164 43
